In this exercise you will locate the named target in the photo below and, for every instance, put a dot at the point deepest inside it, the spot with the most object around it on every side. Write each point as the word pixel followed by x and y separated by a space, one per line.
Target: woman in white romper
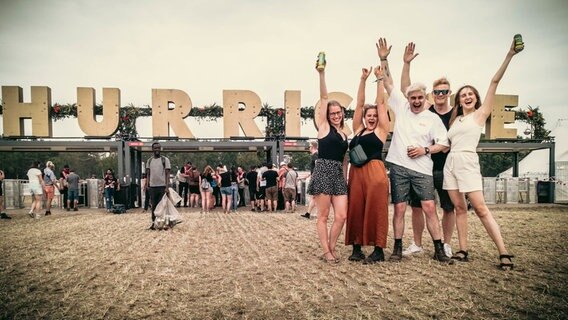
pixel 462 175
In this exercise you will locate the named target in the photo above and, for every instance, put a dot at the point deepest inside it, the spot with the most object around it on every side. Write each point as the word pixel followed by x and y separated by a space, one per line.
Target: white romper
pixel 462 171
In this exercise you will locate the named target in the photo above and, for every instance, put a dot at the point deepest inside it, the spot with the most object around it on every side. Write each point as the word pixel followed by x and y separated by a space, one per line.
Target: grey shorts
pixel 445 201
pixel 402 179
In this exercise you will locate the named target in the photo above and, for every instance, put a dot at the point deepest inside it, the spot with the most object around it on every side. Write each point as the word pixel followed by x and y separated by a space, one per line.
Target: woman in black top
pixel 328 180
pixel 367 214
pixel 224 181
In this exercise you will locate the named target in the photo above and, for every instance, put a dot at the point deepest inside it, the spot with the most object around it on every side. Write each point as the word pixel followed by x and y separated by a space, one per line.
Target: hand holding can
pixel 519 44
pixel 320 64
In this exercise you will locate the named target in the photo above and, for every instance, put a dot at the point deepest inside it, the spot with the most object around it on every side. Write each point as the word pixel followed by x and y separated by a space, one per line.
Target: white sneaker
pixel 412 249
pixel 448 250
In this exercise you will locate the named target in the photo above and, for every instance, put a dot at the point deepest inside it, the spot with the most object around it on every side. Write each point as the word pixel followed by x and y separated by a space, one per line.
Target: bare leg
pixel 417 225
pixel 478 202
pixel 340 215
pixel 229 199
pixel 398 219
pixel 204 206
pixel 224 202
pixel 323 203
pixel 458 199
pixel 432 221
pixel 448 225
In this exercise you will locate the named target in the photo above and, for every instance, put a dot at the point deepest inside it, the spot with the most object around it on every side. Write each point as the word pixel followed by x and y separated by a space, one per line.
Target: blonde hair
pixel 442 80
pixel 415 87
pixel 49 164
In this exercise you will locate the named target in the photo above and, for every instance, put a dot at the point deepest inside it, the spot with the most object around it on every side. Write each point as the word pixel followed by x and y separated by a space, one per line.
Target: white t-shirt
pixel 420 130
pixel 34 174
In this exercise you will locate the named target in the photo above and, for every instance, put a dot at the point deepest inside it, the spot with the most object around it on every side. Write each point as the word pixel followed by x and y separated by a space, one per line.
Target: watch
pixel 427 150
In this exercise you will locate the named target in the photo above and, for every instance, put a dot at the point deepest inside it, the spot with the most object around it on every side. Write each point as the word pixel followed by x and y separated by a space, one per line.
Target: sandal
pixel 461 256
pixel 325 259
pixel 504 265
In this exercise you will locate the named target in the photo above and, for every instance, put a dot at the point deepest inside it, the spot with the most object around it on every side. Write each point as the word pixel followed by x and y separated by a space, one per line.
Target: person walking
pixel 417 134
pixel 158 169
pixel 462 174
pixel 37 186
pixel 367 214
pixel 50 182
pixel 328 184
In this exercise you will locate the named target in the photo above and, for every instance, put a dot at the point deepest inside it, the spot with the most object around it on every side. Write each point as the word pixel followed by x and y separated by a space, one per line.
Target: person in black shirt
pixel 328 184
pixel 252 185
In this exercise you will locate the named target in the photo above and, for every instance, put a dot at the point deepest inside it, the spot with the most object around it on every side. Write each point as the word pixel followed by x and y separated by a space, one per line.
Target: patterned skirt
pixel 327 178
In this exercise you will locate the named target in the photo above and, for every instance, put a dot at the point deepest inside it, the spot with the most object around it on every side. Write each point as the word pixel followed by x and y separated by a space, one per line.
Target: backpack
pixel 118 208
pixel 205 185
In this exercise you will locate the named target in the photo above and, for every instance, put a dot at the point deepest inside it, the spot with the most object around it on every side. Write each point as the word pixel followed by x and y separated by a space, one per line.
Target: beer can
pixel 519 44
pixel 321 61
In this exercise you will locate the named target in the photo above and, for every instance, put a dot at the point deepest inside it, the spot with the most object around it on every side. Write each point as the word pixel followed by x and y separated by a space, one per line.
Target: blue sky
pixel 204 47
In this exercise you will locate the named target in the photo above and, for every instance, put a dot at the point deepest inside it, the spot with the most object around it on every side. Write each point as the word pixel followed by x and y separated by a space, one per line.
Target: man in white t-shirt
pixel 417 134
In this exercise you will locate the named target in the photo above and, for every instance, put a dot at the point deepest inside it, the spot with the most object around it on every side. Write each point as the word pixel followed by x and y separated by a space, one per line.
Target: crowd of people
pixel 220 187
pixel 432 150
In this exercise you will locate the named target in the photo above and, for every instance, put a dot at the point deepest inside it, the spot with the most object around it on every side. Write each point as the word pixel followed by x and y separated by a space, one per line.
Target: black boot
pixel 439 253
pixel 357 254
pixel 396 251
pixel 377 256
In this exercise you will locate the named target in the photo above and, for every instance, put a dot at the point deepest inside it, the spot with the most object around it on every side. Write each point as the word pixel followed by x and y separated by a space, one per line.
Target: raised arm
pixel 358 115
pixel 322 116
pixel 383 50
pixel 384 125
pixel 408 56
pixel 487 106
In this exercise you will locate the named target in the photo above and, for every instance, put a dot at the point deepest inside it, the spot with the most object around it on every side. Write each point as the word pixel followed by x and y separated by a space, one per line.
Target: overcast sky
pixel 204 47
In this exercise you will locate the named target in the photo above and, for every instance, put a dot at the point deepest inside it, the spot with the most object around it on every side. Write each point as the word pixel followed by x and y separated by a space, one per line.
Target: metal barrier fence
pixel 505 191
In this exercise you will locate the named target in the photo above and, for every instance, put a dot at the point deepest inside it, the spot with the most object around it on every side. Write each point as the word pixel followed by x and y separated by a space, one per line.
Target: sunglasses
pixel 444 92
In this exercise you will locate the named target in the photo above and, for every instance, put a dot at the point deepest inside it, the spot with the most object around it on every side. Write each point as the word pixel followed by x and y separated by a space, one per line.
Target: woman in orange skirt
pixel 367 215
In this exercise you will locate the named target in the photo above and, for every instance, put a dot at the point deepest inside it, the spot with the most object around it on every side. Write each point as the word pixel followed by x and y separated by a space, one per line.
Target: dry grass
pixel 248 265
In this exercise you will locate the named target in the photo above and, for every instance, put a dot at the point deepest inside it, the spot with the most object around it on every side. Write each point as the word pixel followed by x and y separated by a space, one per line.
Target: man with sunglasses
pixel 441 107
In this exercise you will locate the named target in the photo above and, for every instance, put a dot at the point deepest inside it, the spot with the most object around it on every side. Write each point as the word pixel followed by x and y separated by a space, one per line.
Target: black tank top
pixel 371 144
pixel 439 158
pixel 332 146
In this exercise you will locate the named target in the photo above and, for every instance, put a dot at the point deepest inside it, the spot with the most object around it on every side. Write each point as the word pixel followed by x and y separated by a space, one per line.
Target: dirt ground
pixel 96 265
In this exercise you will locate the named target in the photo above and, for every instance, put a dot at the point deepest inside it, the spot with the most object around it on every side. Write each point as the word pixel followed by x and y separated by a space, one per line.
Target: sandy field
pixel 96 265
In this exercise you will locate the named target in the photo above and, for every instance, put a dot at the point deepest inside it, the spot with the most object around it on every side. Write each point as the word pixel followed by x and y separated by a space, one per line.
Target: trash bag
pixel 174 196
pixel 166 213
